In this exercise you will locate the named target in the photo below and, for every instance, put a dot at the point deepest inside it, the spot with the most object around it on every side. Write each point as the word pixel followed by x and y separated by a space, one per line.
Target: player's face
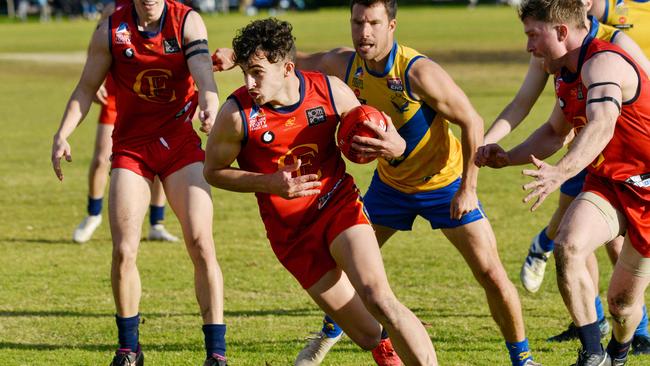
pixel 543 42
pixel 264 80
pixel 148 9
pixel 372 31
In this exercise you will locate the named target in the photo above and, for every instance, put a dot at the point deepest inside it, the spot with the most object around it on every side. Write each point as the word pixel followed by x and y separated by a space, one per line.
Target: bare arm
pixel 97 66
pixel 520 106
pixel 632 48
pixel 601 115
pixel 544 142
pixel 435 87
pixel 334 62
pixel 223 147
pixel 200 67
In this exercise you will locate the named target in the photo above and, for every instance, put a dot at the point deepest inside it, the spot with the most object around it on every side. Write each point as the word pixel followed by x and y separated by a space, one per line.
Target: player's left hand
pixel 223 59
pixel 464 201
pixel 548 178
pixel 389 144
pixel 207 120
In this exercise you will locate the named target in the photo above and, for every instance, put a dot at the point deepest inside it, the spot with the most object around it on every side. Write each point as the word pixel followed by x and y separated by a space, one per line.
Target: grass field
pixel 56 306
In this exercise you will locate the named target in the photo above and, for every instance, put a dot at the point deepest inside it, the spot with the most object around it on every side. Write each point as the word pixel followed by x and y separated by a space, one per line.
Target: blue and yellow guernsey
pixel 604 32
pixel 433 157
pixel 632 17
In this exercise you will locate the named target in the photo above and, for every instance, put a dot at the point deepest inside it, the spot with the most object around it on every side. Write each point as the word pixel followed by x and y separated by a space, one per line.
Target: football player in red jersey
pixel 100 163
pixel 604 96
pixel 280 127
pixel 157 52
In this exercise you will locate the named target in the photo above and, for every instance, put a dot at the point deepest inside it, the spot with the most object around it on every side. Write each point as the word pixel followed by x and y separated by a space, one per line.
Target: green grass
pixel 55 301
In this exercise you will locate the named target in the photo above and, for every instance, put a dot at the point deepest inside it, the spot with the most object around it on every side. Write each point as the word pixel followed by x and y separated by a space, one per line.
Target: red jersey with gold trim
pixel 627 154
pixel 275 138
pixel 155 91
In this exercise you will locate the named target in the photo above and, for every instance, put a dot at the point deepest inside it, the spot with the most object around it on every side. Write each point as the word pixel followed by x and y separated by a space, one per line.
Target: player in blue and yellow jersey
pixel 423 170
pixel 630 16
pixel 534 266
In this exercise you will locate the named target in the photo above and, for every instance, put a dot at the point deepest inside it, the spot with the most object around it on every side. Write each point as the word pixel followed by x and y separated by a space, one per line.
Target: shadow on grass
pixel 79 314
pixel 37 241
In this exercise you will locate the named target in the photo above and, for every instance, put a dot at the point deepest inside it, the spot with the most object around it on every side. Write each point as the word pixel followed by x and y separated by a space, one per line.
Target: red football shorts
pixel 304 251
pixel 108 113
pixel 160 157
pixel 631 201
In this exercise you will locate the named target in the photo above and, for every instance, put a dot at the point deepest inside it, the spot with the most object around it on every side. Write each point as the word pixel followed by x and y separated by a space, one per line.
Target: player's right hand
pixel 101 95
pixel 491 155
pixel 286 186
pixel 223 59
pixel 60 149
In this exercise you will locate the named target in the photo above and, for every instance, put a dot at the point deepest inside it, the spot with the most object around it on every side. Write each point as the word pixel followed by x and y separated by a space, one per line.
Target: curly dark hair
pixel 390 5
pixel 271 36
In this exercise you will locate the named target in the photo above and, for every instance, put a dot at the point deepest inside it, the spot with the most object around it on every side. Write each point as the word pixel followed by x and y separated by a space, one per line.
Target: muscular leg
pixel 128 201
pixel 614 249
pixel 477 244
pixel 582 230
pixel 625 297
pixel 356 251
pixel 554 223
pixel 189 197
pixel 335 295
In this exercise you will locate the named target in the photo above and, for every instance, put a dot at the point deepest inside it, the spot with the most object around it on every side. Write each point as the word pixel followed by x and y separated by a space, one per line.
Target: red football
pixel 352 125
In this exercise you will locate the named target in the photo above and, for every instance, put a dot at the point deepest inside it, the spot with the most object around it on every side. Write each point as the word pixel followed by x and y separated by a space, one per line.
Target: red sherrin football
pixel 352 124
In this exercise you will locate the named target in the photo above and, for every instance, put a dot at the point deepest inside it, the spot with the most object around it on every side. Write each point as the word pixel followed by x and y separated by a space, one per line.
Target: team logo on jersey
pixel 268 137
pixel 307 154
pixel 152 86
pixel 561 102
pixel 257 118
pixel 122 34
pixel 171 46
pixel 357 82
pixel 316 116
pixel 128 53
pixel 395 84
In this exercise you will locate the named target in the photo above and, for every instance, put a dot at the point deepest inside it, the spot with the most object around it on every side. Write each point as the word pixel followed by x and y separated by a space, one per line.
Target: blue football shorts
pixel 397 210
pixel 573 186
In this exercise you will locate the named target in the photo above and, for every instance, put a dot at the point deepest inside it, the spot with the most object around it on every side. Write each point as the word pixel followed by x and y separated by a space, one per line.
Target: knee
pixel 620 306
pixel 124 255
pixel 201 250
pixel 99 162
pixel 566 253
pixel 493 278
pixel 382 304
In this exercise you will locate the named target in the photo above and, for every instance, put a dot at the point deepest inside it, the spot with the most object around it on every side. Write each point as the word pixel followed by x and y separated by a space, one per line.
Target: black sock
pixel 618 350
pixel 590 338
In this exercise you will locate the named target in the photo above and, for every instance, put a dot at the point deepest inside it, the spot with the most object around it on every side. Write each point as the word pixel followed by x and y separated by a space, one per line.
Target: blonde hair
pixel 571 12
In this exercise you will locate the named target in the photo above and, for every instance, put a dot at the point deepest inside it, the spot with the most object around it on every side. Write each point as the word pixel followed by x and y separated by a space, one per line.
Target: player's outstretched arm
pixel 515 112
pixel 197 54
pixel 544 142
pixel 95 70
pixel 430 83
pixel 224 145
pixel 333 62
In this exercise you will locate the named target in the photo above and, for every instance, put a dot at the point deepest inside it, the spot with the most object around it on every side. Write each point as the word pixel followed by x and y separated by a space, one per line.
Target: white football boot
pixel 85 230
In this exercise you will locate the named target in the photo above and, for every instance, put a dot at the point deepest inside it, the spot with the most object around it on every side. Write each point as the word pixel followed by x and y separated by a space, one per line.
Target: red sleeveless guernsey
pixel 155 94
pixel 275 138
pixel 627 155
